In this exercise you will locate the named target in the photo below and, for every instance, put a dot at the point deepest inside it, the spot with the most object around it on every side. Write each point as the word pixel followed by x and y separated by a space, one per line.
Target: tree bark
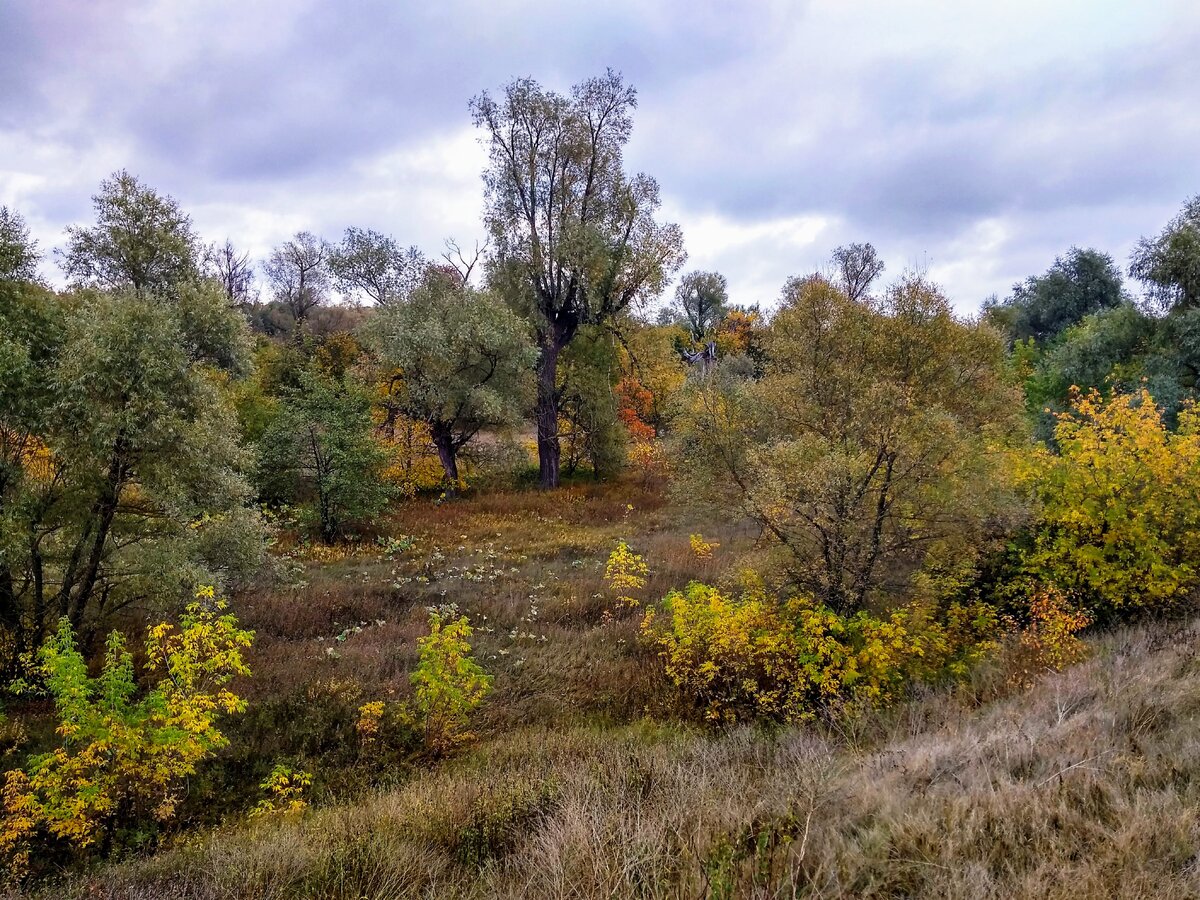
pixel 547 412
pixel 77 585
pixel 443 439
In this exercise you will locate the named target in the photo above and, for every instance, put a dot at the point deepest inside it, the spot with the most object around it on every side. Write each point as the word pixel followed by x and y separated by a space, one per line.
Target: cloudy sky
pixel 977 139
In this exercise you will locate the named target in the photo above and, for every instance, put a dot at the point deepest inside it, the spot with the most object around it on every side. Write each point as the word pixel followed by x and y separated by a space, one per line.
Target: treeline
pixel 153 405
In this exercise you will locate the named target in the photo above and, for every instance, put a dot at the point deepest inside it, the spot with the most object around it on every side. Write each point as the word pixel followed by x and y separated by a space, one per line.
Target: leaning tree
pixel 575 241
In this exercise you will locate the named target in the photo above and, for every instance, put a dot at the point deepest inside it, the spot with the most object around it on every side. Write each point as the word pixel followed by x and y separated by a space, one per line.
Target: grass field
pixel 578 784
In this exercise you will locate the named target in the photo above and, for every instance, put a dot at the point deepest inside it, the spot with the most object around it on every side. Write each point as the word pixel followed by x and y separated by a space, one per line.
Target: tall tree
pixel 575 238
pixel 19 254
pixel 702 300
pixel 856 267
pixel 463 362
pixel 120 464
pixel 1169 264
pixel 298 271
pixel 141 240
pixel 1043 307
pixel 232 270
pixel 375 265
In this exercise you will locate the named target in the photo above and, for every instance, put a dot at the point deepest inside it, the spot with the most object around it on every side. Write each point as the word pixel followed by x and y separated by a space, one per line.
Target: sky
pixel 972 140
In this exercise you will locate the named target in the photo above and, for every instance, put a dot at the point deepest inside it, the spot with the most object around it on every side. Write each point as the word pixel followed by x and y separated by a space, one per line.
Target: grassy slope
pixel 1085 786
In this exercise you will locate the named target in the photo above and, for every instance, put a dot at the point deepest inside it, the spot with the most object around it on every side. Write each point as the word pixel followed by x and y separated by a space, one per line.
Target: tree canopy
pixel 19 254
pixel 574 238
pixel 141 240
pixel 374 265
pixel 462 362
pixel 867 449
pixel 1169 264
pixel 1041 308
pixel 701 301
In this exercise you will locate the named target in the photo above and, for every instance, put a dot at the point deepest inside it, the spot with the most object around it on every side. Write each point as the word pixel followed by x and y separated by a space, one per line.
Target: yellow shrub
pixel 752 656
pixel 701 548
pixel 625 572
pixel 125 759
pixel 285 789
pixel 448 683
pixel 370 721
pixel 1050 641
pixel 1119 523
pixel 413 463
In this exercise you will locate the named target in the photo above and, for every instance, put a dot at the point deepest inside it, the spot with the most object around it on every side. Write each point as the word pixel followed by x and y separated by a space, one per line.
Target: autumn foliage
pixel 1118 525
pixel 739 657
pixel 448 683
pixel 124 759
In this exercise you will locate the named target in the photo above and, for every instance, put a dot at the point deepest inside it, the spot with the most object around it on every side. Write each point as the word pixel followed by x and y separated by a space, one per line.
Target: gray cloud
pixel 980 144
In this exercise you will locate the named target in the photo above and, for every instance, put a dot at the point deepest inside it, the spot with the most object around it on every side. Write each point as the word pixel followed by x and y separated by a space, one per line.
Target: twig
pixel 1062 772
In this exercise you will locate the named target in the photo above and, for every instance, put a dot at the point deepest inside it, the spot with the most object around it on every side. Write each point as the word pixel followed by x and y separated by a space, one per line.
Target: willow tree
pixel 463 361
pixel 19 254
pixel 142 240
pixel 574 238
pixel 375 266
pixel 122 475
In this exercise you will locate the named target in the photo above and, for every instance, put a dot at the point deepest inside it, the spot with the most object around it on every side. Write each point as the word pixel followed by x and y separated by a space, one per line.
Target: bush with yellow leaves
pixel 752 656
pixel 285 788
pixel 448 683
pixel 1050 641
pixel 124 759
pixel 701 548
pixel 625 572
pixel 1119 523
pixel 370 722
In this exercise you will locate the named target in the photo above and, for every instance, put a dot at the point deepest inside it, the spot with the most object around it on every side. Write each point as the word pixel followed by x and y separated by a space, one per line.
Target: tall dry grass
pixel 1087 785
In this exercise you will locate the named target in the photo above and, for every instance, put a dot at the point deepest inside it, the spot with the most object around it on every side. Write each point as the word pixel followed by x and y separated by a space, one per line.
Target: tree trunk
pixel 547 412
pixel 77 585
pixel 443 439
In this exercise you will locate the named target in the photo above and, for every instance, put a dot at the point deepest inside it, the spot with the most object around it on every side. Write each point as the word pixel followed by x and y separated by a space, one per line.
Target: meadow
pixel 578 783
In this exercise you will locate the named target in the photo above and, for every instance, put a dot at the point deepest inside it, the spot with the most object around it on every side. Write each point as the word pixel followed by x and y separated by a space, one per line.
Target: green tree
pixel 701 302
pixel 589 413
pixel 574 237
pixel 375 265
pixel 1079 284
pixel 19 256
pixel 319 450
pixel 463 362
pixel 1169 264
pixel 866 451
pixel 121 469
pixel 142 240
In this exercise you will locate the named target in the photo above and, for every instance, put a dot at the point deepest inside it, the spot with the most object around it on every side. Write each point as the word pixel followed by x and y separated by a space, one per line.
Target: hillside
pixel 1084 786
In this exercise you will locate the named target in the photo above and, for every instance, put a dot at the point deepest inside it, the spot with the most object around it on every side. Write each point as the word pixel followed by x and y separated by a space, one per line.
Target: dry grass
pixel 1085 786
pixel 525 566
